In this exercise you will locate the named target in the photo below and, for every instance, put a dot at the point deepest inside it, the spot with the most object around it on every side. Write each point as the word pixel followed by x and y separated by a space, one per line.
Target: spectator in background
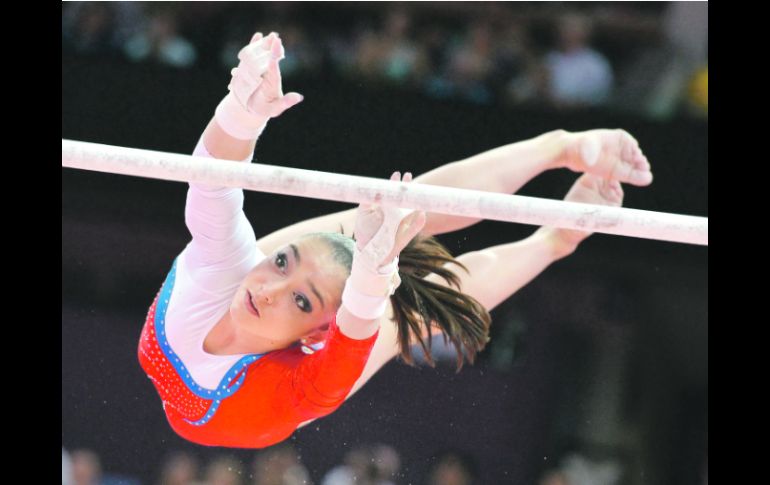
pixel 699 92
pixel 403 59
pixel 366 465
pixel 433 39
pixel 279 465
pixel 469 67
pixel 453 467
pixel 98 28
pixel 494 60
pixel 518 74
pixel 161 42
pixel 66 468
pixel 179 469
pixel 686 30
pixel 86 468
pixel 341 49
pixel 576 469
pixel 554 477
pixel 368 54
pixel 657 82
pixel 391 53
pixel 224 470
pixel 577 74
pixel 686 26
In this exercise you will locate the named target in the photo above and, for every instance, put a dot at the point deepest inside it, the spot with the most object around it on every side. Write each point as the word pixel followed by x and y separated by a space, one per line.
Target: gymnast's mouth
pixel 250 304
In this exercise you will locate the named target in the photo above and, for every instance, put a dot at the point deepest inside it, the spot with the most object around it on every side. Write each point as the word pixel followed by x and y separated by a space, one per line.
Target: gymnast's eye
pixel 303 303
pixel 280 260
pixel 301 300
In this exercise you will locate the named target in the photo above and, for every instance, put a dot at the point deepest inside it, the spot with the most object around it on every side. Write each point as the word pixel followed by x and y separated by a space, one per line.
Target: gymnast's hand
pixel 610 154
pixel 383 232
pixel 256 82
pixel 587 189
pixel 256 94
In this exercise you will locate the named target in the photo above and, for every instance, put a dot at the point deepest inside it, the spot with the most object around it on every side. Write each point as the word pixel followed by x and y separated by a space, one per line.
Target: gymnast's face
pixel 292 294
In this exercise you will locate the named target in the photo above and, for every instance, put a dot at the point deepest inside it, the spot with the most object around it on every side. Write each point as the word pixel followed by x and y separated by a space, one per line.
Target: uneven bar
pixel 355 189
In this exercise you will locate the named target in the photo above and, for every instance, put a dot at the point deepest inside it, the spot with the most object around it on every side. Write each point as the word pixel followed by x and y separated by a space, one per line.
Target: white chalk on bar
pixel 355 189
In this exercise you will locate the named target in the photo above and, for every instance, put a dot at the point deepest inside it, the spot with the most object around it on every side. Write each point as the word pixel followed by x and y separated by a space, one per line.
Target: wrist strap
pixel 367 292
pixel 236 121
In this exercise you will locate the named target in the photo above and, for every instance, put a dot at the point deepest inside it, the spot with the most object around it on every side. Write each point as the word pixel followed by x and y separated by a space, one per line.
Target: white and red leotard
pixel 245 401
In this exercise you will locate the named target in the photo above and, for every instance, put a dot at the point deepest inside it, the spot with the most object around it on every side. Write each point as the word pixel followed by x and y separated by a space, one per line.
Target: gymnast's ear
pixel 315 339
pixel 317 335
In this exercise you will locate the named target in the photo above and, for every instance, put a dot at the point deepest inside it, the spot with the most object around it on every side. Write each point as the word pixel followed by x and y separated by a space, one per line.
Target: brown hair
pixel 420 305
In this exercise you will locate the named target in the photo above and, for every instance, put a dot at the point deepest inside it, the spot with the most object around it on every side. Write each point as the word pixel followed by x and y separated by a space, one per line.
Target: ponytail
pixel 420 305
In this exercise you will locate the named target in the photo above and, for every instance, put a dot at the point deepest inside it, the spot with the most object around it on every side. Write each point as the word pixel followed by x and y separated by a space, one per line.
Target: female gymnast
pixel 247 340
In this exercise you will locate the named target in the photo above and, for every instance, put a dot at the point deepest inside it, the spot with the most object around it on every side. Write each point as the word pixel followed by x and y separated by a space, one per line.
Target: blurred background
pixel 597 372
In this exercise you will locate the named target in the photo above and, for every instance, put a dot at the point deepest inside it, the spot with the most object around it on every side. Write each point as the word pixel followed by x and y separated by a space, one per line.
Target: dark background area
pixel 605 354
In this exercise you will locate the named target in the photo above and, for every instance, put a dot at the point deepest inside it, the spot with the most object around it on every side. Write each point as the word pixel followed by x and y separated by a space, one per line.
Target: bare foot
pixel 587 189
pixel 609 154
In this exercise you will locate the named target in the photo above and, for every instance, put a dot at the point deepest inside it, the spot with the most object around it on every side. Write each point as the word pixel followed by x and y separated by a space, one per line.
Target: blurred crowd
pixel 370 464
pixel 650 59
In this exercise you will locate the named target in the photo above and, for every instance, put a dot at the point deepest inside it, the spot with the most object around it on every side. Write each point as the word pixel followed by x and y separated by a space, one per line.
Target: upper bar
pixel 356 189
